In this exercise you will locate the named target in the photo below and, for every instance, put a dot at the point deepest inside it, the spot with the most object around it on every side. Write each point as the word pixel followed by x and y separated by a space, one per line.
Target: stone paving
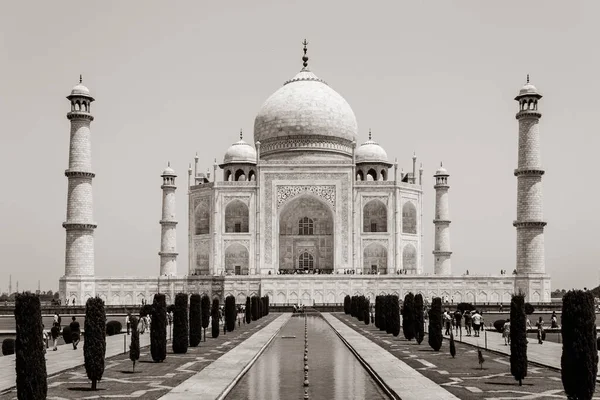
pixel 404 380
pixel 462 375
pixel 150 381
pixel 217 379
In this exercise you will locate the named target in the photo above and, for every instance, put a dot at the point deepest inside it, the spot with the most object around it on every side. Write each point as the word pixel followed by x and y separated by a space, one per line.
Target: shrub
pixel 389 319
pixel 205 313
pixel 134 346
pixel 171 308
pixel 366 316
pixel 579 361
pixel 462 307
pixel 230 313
pixel 215 318
pixel 499 324
pixel 419 318
pixel 408 316
pixel 66 334
pixel 435 324
pixel 394 315
pixel 383 312
pixel 8 347
pixel 267 304
pixel 248 312
pixel 158 329
pixel 347 304
pixel 94 340
pixel 180 324
pixel 113 328
pixel 195 320
pixel 254 308
pixel 29 348
pixel 452 345
pixel 377 311
pixel 518 338
pixel 529 309
pixel 146 310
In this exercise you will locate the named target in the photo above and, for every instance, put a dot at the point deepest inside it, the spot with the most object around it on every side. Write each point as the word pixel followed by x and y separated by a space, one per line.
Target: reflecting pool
pixel 334 372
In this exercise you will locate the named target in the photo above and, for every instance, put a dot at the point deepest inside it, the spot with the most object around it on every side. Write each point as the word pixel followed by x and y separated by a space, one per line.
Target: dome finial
pixel 441 164
pixel 241 134
pixel 527 78
pixel 168 163
pixel 305 57
pixel 80 78
pixel 369 133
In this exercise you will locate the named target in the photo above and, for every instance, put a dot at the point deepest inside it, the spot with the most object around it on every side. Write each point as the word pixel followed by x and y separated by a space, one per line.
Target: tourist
pixel 553 320
pixel 506 332
pixel 541 334
pixel 458 319
pixel 447 321
pixel 54 334
pixel 477 319
pixel 468 322
pixel 44 338
pixel 128 322
pixel 56 319
pixel 74 325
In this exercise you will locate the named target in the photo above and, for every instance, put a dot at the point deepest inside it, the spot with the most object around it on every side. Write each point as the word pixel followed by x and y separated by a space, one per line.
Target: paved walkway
pixel 66 358
pixel 405 381
pixel 216 380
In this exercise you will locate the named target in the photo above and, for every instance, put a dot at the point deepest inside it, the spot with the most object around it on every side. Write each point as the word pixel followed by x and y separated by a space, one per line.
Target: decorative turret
pixel 371 161
pixel 530 220
pixel 168 223
pixel 441 252
pixel 80 225
pixel 239 162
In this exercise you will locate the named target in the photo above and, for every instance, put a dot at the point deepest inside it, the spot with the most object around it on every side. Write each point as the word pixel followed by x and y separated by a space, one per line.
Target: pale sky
pixel 174 78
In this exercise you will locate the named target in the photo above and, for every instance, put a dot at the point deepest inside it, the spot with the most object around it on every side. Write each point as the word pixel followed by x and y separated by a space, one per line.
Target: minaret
pixel 79 252
pixel 530 222
pixel 441 252
pixel 168 236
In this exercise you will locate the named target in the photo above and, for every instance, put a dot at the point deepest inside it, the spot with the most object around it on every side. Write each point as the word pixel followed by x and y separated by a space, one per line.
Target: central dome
pixel 305 115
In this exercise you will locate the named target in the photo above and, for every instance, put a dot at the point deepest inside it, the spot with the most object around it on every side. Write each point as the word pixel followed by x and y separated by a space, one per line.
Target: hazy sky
pixel 174 78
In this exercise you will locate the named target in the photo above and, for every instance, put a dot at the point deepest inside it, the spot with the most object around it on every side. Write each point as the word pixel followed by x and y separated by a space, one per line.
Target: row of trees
pixel 358 307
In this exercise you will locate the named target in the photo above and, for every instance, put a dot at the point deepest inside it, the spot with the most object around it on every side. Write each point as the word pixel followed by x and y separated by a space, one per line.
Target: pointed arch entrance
pixel 306 238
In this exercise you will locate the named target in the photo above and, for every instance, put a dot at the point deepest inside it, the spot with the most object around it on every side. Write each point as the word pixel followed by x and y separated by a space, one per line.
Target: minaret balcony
pixel 168 187
pixel 529 224
pixel 167 254
pixel 442 253
pixel 529 171
pixel 79 174
pixel 79 115
pixel 528 114
pixel 79 226
pixel 167 222
pixel 441 221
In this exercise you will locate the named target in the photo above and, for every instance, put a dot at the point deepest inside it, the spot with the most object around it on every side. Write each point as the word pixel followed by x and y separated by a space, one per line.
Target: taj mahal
pixel 305 213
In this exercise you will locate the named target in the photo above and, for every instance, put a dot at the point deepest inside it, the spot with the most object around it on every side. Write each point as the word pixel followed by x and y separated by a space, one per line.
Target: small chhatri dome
pixel 528 89
pixel 441 170
pixel 168 171
pixel 370 152
pixel 240 152
pixel 80 89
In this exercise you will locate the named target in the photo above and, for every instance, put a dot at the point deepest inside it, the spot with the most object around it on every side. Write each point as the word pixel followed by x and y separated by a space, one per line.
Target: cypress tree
pixel 230 313
pixel 158 328
pixel 29 348
pixel 259 305
pixel 366 315
pixel 518 338
pixel 215 318
pixel 435 324
pixel 408 316
pixel 579 361
pixel 248 311
pixel 180 324
pixel 205 305
pixel 383 311
pixel 254 308
pixel 94 339
pixel 267 304
pixel 395 315
pixel 419 318
pixel 377 311
pixel 347 304
pixel 452 345
pixel 134 346
pixel 389 314
pixel 360 301
pixel 195 320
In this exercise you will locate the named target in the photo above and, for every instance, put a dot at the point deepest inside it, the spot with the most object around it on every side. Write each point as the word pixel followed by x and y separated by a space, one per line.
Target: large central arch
pixel 305 237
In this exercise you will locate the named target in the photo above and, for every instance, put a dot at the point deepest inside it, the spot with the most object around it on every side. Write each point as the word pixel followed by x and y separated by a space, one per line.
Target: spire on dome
pixel 441 164
pixel 527 78
pixel 369 133
pixel 241 134
pixel 80 79
pixel 305 57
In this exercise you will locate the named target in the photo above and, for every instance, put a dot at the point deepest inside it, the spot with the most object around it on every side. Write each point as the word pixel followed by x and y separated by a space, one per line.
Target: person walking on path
pixel 554 320
pixel 54 334
pixel 447 319
pixel 128 322
pixel 458 320
pixel 44 338
pixel 74 325
pixel 540 331
pixel 477 319
pixel 506 332
pixel 468 322
pixel 56 320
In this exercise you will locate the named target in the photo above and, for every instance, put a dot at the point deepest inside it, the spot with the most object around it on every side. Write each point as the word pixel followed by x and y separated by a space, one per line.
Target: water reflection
pixel 334 372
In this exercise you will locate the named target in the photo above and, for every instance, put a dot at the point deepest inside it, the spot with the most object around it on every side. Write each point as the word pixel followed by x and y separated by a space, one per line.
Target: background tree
pixel 134 346
pixel 395 314
pixel 180 324
pixel 579 361
pixel 377 311
pixel 158 328
pixel 529 309
pixel 366 314
pixel 215 318
pixel 230 313
pixel 195 320
pixel 267 300
pixel 419 318
pixel 383 313
pixel 435 324
pixel 29 348
pixel 518 338
pixel 205 313
pixel 254 301
pixel 359 308
pixel 94 339
pixel 248 311
pixel 389 315
pixel 408 316
pixel 347 304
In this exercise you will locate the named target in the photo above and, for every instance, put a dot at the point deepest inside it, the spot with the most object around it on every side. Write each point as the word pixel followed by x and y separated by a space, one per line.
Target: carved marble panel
pixel 287 192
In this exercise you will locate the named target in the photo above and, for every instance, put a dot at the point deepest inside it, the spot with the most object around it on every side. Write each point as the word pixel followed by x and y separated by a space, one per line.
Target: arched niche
pixel 236 217
pixel 240 175
pixel 202 218
pixel 409 218
pixel 360 176
pixel 236 260
pixel 252 176
pixel 409 257
pixel 375 216
pixel 306 225
pixel 375 259
pixel 228 176
pixel 371 175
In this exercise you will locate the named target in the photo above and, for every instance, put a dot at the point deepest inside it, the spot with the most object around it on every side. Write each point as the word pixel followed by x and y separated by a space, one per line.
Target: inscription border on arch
pixel 288 192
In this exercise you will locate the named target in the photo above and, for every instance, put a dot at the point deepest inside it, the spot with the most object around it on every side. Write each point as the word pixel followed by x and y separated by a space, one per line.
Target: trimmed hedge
pixel 215 318
pixel 419 318
pixel 230 313
pixel 248 310
pixel 435 324
pixel 195 320
pixel 518 338
pixel 408 316
pixel 205 305
pixel 158 328
pixel 30 361
pixel 8 347
pixel 347 302
pixel 180 324
pixel 134 346
pixel 113 328
pixel 94 339
pixel 66 334
pixel 394 307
